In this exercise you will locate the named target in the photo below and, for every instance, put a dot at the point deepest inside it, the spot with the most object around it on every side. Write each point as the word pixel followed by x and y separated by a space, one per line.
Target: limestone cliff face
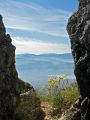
pixel 9 91
pixel 79 32
pixel 15 103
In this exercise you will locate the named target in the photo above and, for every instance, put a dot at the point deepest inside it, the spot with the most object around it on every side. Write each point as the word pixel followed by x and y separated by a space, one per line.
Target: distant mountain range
pixel 65 55
pixel 37 68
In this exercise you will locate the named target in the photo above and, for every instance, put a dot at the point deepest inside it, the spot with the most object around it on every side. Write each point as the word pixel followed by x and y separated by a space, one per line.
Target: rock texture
pixel 30 105
pixel 79 31
pixel 9 91
pixel 18 100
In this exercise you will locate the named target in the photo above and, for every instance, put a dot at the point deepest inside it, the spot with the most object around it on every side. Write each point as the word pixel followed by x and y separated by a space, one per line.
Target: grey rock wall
pixel 9 90
pixel 79 32
pixel 15 103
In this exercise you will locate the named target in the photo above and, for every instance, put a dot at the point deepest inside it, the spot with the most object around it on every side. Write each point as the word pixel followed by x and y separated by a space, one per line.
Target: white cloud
pixel 26 45
pixel 34 18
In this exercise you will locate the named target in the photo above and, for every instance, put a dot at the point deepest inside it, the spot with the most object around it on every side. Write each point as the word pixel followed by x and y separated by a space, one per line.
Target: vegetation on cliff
pixel 59 95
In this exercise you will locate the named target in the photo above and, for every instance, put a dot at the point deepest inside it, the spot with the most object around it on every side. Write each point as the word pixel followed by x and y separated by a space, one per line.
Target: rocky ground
pixel 49 112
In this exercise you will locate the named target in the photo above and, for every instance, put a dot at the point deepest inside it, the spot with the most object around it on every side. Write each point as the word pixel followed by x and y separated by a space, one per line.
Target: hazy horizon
pixel 43 53
pixel 36 69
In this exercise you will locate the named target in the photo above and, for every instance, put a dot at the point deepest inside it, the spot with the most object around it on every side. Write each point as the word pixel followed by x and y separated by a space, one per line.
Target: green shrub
pixel 60 92
pixel 58 101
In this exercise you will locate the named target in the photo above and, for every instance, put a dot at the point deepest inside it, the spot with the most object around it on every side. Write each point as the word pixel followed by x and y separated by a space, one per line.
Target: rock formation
pixel 30 105
pixel 79 32
pixel 9 91
pixel 13 91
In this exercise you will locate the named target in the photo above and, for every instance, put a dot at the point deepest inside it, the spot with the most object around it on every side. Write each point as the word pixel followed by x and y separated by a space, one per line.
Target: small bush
pixel 60 92
pixel 58 101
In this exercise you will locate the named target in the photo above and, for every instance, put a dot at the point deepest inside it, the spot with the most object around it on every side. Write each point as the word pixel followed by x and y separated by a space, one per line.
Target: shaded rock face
pixel 9 91
pixel 29 107
pixel 18 100
pixel 79 32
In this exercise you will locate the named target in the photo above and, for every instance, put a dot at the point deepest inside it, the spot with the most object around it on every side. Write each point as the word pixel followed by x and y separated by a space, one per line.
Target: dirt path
pixel 48 111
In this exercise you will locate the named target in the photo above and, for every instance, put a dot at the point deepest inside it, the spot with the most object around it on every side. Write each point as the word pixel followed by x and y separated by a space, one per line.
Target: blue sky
pixel 38 26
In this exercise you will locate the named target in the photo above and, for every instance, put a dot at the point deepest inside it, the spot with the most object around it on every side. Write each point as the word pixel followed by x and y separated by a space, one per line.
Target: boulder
pixel 29 107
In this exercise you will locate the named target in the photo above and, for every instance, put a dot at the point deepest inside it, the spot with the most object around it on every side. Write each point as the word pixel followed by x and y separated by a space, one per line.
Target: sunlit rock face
pixel 79 32
pixel 9 90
